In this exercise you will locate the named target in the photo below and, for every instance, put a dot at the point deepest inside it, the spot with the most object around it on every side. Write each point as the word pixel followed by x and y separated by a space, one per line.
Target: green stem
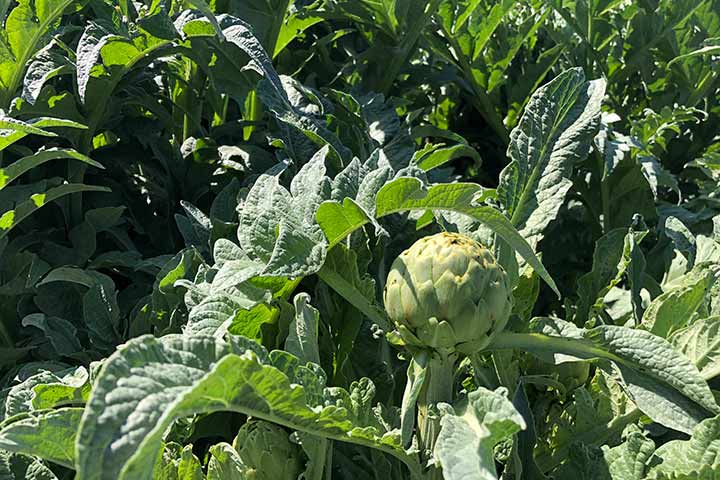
pixel 253 114
pixel 538 342
pixel 438 387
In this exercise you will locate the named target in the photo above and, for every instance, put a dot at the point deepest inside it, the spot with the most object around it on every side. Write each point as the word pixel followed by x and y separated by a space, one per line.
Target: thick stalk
pixel 438 388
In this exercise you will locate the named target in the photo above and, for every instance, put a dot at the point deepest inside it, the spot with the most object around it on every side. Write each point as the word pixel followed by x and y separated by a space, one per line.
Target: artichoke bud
pixel 267 451
pixel 448 292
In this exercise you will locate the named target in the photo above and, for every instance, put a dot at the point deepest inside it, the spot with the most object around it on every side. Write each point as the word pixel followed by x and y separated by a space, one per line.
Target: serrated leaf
pixel 689 457
pixel 266 203
pixel 628 460
pixel 150 382
pixel 225 463
pixel 554 133
pixel 216 313
pixel 662 382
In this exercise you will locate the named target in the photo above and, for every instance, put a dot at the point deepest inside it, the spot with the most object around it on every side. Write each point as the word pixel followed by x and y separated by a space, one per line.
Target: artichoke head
pixel 570 374
pixel 267 451
pixel 448 293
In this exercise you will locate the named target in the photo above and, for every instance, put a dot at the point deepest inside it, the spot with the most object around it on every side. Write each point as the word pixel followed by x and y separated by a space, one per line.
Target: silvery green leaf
pixel 149 382
pixel 689 457
pixel 628 460
pixel 46 64
pixel 93 39
pixel 470 430
pixel 225 251
pixel 347 183
pixel 235 272
pixel 48 434
pixel 554 133
pixel 683 239
pixel 215 313
pixel 296 253
pixel 309 188
pixel 266 203
pixel 700 342
pixel 662 382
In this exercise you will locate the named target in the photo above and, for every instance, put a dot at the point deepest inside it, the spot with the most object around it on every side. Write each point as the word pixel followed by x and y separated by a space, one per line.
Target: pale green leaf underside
pixel 469 432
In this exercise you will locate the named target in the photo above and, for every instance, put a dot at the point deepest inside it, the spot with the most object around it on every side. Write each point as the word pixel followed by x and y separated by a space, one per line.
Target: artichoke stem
pixel 438 388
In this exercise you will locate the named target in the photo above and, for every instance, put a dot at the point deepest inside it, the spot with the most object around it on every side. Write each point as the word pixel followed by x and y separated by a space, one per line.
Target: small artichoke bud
pixel 570 374
pixel 447 292
pixel 267 451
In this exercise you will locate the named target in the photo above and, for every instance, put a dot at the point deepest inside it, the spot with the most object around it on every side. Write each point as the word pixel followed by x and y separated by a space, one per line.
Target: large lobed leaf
pixel 554 133
pixel 148 383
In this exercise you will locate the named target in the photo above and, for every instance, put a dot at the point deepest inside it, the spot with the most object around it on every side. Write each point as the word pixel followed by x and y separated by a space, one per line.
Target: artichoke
pixel 570 374
pixel 267 451
pixel 448 293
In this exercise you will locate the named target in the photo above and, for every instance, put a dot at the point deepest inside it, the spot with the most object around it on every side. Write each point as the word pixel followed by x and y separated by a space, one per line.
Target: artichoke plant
pixel 447 296
pixel 267 452
pixel 447 292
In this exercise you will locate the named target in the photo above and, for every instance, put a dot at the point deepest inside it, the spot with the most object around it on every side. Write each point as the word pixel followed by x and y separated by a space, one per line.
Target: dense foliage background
pixel 245 167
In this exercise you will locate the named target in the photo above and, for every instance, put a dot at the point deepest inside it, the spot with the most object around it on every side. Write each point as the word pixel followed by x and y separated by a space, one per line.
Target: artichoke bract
pixel 448 292
pixel 267 451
